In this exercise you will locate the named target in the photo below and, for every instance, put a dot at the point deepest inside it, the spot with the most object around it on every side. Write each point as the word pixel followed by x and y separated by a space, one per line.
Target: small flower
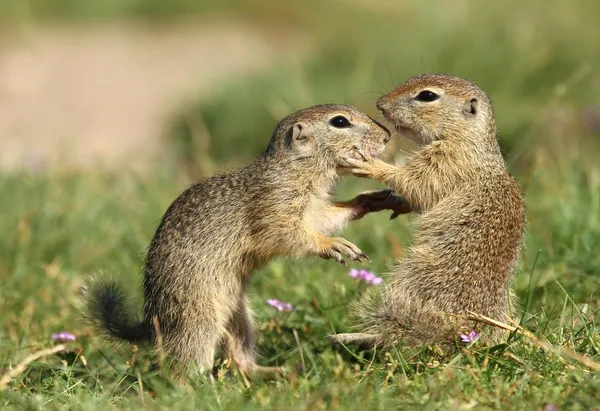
pixel 280 305
pixel 550 407
pixel 377 281
pixel 366 276
pixel 63 336
pixel 469 338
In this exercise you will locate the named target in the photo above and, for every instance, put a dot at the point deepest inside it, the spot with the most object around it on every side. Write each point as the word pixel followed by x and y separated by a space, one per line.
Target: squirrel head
pixel 434 107
pixel 328 133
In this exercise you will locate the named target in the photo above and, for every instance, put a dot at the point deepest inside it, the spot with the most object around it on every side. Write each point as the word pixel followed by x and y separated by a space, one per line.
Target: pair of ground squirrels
pixel 216 233
pixel 472 220
pixel 471 225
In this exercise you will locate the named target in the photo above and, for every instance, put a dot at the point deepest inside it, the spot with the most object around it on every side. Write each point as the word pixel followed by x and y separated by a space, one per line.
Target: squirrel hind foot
pixel 365 341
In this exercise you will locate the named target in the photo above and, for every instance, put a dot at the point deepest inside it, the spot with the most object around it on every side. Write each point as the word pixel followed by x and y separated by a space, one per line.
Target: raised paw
pixel 379 200
pixel 339 247
pixel 358 163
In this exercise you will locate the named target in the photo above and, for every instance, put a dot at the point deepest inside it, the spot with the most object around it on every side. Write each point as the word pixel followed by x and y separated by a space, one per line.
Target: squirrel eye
pixel 339 122
pixel 427 96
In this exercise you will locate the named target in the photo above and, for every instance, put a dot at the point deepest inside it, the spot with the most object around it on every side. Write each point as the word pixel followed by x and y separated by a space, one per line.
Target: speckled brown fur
pixel 217 232
pixel 472 218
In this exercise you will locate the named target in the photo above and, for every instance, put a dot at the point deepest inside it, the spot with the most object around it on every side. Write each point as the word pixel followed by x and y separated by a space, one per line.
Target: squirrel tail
pixel 107 306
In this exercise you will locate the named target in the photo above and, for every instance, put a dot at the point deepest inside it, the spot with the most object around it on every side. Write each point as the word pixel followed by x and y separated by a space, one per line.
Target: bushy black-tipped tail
pixel 108 307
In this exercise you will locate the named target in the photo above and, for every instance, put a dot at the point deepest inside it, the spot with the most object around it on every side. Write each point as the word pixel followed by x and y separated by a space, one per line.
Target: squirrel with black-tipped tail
pixel 217 232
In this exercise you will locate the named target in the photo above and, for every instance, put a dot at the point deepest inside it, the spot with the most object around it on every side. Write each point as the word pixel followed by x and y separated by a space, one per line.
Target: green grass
pixel 539 64
pixel 60 228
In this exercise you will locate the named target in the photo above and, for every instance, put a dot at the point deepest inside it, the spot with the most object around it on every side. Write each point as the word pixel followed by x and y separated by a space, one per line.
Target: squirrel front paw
pixel 379 200
pixel 358 163
pixel 339 247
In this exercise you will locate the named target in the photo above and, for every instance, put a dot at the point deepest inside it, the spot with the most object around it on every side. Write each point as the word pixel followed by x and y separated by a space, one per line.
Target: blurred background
pixel 109 108
pixel 136 83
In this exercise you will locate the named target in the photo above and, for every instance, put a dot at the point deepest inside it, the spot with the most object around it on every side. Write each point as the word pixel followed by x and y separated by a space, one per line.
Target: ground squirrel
pixel 472 217
pixel 219 230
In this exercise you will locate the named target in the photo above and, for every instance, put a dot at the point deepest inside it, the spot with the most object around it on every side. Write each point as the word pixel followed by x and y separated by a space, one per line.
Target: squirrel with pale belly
pixel 471 224
pixel 218 231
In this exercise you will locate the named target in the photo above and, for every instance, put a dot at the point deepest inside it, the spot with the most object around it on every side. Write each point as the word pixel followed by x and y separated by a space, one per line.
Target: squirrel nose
pixel 380 106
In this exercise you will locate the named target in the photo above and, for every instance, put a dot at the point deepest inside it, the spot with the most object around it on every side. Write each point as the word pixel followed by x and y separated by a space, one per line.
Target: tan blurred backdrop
pixel 88 83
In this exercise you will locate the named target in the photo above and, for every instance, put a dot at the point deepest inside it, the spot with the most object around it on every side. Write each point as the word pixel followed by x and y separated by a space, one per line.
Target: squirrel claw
pixel 365 157
pixel 363 258
pixel 338 257
pixel 340 246
pixel 334 255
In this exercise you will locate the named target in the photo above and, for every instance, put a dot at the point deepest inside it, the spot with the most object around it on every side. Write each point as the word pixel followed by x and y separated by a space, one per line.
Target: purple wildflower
pixel 550 407
pixel 279 305
pixel 376 280
pixel 469 338
pixel 366 276
pixel 63 336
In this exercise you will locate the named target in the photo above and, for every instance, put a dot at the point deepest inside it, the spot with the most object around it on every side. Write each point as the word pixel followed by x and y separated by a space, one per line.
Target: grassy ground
pixel 541 71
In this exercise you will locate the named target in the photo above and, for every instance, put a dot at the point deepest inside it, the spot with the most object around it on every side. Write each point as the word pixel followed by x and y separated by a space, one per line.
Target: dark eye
pixel 427 96
pixel 339 122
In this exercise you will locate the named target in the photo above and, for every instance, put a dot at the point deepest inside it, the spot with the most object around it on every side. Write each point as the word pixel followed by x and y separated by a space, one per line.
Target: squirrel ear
pixel 471 107
pixel 297 135
pixel 299 140
pixel 294 133
pixel 297 132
